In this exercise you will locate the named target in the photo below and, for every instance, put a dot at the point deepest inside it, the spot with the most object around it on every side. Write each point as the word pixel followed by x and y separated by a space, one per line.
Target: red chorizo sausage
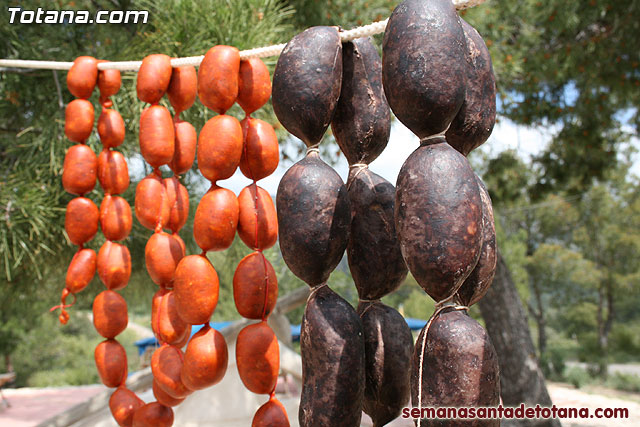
pixel 218 78
pixel 111 362
pixel 251 202
pixel 216 220
pixel 167 325
pixel 163 397
pixel 123 403
pixel 80 170
pixel 271 414
pixel 182 88
pixel 261 154
pixel 81 220
pixel 78 120
pixel 219 147
pixel 157 136
pixel 166 364
pixel 153 414
pixel 254 85
pixel 113 172
pixel 114 265
pixel 83 76
pixel 162 255
pixel 179 200
pixel 81 270
pixel 258 358
pixel 115 217
pixel 184 340
pixel 110 128
pixel 110 316
pixel 185 147
pixel 153 79
pixel 253 276
pixel 109 82
pixel 205 360
pixel 196 289
pixel 152 204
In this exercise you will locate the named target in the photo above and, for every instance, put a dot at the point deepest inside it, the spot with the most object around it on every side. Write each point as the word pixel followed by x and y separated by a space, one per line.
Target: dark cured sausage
pixel 313 219
pixel 332 346
pixel 423 65
pixel 166 364
pixel 438 216
pixel 185 147
pixel 361 124
pixel 306 83
pixel 460 368
pixel 477 116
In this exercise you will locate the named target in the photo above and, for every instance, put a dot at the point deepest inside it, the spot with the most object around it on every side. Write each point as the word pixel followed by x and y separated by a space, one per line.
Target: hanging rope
pixel 260 52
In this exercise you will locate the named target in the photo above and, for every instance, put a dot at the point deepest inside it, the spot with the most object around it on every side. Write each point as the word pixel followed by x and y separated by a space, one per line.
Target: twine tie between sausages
pixel 313 149
pixel 357 167
pixel 449 302
pixel 433 139
pixel 315 289
pixel 371 302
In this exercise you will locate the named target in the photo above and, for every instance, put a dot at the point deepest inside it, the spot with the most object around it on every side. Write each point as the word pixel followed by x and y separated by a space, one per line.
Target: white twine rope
pixel 260 52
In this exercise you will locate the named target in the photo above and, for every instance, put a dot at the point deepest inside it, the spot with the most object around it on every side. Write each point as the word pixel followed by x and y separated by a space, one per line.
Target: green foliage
pixel 50 355
pixel 624 382
pixel 578 377
pixel 569 64
pixel 625 342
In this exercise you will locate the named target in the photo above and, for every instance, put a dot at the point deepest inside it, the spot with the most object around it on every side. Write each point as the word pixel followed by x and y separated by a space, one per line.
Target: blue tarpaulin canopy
pixel 153 342
pixel 414 325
